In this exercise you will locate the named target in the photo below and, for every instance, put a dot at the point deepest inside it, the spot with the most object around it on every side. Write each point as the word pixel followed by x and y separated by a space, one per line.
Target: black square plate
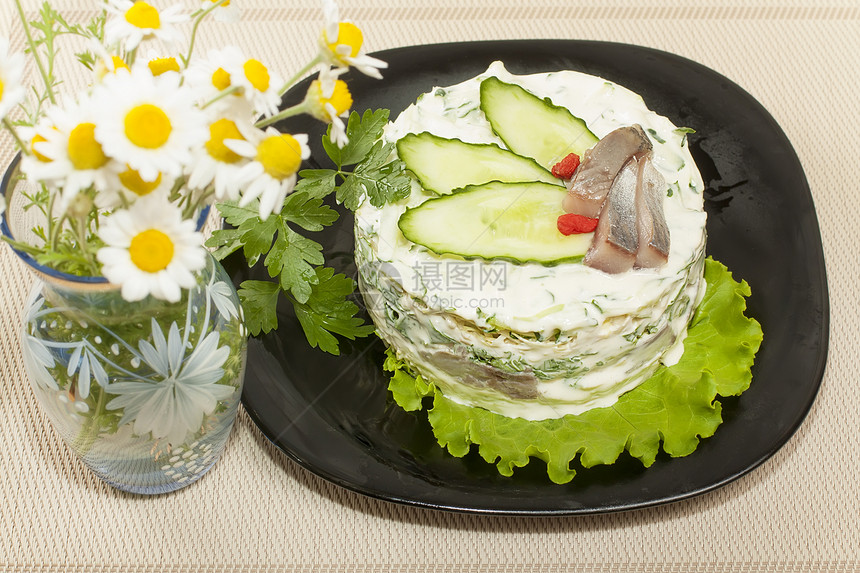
pixel 334 416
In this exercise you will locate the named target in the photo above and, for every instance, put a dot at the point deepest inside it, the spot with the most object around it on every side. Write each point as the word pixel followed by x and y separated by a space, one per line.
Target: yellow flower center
pixel 221 79
pixel 347 34
pixel 218 132
pixel 142 15
pixel 160 66
pixel 151 251
pixel 38 139
pixel 119 64
pixel 280 155
pixel 84 151
pixel 112 66
pixel 147 126
pixel 131 180
pixel 257 74
pixel 227 3
pixel 1 89
pixel 340 99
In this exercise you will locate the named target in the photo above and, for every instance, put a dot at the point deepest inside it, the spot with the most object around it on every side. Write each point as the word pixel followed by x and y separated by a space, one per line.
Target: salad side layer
pixel 673 409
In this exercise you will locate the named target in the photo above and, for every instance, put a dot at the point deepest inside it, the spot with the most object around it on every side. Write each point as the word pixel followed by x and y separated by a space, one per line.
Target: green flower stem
pixel 186 203
pixel 81 228
pixel 49 213
pixel 23 247
pixel 131 57
pixel 43 209
pixel 45 78
pixel 186 59
pixel 299 75
pixel 175 190
pixel 55 232
pixel 86 439
pixel 289 112
pixel 193 206
pixel 18 141
pixel 223 94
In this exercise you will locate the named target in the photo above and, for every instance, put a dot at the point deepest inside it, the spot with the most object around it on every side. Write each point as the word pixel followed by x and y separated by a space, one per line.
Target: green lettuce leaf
pixel 674 408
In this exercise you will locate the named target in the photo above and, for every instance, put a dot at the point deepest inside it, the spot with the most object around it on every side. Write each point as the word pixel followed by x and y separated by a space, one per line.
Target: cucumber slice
pixel 532 126
pixel 510 221
pixel 442 165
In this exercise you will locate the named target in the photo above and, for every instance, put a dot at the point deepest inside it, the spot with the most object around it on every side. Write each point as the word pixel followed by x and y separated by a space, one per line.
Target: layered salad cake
pixel 550 255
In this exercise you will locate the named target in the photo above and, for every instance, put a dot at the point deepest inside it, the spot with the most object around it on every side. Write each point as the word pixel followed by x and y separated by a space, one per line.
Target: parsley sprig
pixel 319 295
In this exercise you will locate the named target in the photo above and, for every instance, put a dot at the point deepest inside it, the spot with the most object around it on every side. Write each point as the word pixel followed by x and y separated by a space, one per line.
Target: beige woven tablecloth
pixel 257 510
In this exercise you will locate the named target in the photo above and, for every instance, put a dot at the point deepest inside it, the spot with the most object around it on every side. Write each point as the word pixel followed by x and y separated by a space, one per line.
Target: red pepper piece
pixel 571 223
pixel 564 169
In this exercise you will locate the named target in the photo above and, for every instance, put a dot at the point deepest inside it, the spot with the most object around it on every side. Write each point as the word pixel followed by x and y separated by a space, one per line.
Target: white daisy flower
pixel 105 61
pixel 227 12
pixel 229 68
pixel 31 135
pixel 151 249
pixel 328 99
pixel 67 156
pixel 149 123
pixel 260 86
pixel 215 163
pixel 111 65
pixel 158 64
pixel 271 174
pixel 131 186
pixel 12 91
pixel 209 77
pixel 341 43
pixel 136 21
pixel 187 389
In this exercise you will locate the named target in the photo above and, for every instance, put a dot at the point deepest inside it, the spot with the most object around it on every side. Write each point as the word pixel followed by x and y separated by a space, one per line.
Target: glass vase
pixel 146 392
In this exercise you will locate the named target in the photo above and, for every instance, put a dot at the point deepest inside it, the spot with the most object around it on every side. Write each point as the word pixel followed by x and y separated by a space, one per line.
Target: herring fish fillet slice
pixel 616 240
pixel 600 164
pixel 653 230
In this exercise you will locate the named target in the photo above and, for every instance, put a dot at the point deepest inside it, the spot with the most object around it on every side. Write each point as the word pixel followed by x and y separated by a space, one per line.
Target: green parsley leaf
pixel 349 194
pixel 225 242
pixel 257 236
pixel 260 303
pixel 317 182
pixel 363 131
pixel 308 212
pixel 235 215
pixel 383 179
pixel 291 259
pixel 327 312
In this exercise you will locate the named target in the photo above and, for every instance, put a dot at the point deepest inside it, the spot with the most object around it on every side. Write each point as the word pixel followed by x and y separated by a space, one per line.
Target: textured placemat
pixel 259 511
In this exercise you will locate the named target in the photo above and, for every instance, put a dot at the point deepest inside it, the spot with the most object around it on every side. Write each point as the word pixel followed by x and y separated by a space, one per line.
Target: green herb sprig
pixel 364 168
